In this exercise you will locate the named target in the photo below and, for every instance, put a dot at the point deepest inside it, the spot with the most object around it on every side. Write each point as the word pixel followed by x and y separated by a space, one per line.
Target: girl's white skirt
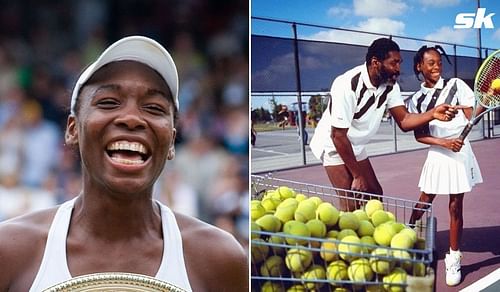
pixel 446 172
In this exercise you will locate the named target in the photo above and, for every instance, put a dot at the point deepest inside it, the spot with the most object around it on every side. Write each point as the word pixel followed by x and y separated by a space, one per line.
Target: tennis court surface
pixel 399 174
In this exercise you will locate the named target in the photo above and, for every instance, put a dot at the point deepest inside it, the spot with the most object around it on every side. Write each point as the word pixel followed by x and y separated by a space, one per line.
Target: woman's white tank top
pixel 54 267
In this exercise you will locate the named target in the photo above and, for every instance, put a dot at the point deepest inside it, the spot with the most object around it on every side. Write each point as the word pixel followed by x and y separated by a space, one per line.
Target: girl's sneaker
pixel 453 274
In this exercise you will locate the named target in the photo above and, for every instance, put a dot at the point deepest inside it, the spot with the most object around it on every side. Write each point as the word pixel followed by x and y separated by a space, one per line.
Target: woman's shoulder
pixel 214 258
pixel 25 229
pixel 22 242
pixel 195 229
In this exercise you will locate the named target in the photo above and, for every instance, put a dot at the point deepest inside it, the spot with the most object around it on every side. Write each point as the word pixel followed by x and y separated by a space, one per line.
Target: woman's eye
pixel 107 103
pixel 155 109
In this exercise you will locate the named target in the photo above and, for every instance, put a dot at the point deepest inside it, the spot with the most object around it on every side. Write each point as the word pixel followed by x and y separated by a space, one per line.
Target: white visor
pixel 134 48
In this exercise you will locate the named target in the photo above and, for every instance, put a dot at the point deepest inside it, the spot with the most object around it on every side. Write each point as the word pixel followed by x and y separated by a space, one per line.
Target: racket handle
pixel 465 131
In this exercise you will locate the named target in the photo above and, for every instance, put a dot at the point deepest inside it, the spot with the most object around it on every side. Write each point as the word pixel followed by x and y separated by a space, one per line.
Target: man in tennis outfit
pixel 359 98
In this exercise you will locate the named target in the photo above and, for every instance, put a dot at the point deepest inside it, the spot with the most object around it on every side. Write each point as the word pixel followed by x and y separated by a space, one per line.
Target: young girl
pixel 451 167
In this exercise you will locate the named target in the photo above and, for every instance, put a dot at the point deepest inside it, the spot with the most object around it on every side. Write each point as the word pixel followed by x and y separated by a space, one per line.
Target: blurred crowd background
pixel 44 45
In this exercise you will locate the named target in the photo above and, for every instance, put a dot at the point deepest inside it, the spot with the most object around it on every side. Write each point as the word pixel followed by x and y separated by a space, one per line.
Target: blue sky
pixel 423 19
pixel 431 20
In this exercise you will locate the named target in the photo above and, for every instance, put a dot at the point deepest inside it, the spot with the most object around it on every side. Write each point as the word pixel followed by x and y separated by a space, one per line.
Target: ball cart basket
pixel 299 246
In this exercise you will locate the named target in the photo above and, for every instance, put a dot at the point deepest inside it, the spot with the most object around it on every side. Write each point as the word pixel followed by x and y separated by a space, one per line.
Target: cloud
pixel 439 3
pixel 338 11
pixel 375 25
pixel 379 9
pixel 450 35
pixel 382 25
pixel 496 34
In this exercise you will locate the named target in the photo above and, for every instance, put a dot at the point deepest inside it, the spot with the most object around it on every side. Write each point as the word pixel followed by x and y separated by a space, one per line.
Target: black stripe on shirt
pixel 362 93
pixel 419 102
pixel 383 97
pixel 451 94
pixel 365 108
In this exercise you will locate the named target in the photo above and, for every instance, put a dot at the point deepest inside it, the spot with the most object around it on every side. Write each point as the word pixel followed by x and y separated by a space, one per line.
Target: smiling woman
pixel 122 122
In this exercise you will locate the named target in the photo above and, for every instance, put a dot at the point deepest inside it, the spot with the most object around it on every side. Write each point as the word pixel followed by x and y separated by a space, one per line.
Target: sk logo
pixel 474 20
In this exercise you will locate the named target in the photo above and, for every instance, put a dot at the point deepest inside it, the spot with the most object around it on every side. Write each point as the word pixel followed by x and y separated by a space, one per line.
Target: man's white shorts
pixel 333 158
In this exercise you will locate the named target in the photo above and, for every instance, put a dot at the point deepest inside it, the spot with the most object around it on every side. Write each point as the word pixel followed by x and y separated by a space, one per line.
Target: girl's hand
pixel 454 144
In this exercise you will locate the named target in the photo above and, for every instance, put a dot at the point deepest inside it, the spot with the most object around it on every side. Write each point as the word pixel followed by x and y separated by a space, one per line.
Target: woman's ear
pixel 171 148
pixel 71 135
pixel 419 68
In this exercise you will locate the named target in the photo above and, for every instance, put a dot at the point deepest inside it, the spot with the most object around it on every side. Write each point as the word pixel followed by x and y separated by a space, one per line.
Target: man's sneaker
pixel 453 274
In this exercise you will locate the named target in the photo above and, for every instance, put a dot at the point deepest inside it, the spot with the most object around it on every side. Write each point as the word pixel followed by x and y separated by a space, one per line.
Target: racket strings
pixel 484 93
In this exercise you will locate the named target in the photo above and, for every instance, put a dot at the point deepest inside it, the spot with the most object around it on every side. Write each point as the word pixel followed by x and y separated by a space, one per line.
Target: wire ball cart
pixel 300 241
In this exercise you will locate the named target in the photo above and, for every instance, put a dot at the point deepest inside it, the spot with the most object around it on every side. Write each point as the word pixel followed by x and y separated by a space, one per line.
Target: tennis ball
pixel 332 234
pixel 381 265
pixel 383 234
pixel 337 271
pixel 495 84
pixel 329 251
pixel 327 213
pixel 296 228
pixel 269 286
pixel 274 266
pixel 270 203
pixel 269 223
pixel 254 227
pixel 276 239
pixel 359 270
pixel 300 197
pixel 285 192
pixel 395 280
pixel 316 200
pixel 372 206
pixel 315 272
pixel 411 233
pixel 298 260
pixel 420 243
pixel 401 240
pixel 361 214
pixel 346 247
pixel 317 228
pixel 404 259
pixel 256 210
pixel 348 221
pixel 398 226
pixel 378 217
pixel 259 251
pixel 365 228
pixel 419 269
pixel 296 288
pixel 306 210
pixel 391 216
pixel 374 288
pixel 286 210
pixel 368 241
pixel 345 232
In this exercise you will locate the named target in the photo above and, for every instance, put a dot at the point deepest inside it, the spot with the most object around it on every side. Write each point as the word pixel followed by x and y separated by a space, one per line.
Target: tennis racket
pixel 484 93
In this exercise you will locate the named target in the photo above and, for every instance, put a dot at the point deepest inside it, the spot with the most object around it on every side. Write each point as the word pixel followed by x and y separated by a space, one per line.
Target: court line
pixel 483 282
pixel 271 151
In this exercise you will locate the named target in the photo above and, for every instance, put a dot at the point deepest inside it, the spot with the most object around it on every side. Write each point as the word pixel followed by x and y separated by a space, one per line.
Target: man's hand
pixel 359 183
pixel 454 144
pixel 445 112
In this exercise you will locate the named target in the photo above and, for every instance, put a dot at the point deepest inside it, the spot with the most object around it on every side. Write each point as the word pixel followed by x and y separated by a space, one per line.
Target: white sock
pixel 454 252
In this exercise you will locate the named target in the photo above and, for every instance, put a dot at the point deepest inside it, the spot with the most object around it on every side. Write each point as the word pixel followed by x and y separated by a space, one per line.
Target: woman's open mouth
pixel 125 152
